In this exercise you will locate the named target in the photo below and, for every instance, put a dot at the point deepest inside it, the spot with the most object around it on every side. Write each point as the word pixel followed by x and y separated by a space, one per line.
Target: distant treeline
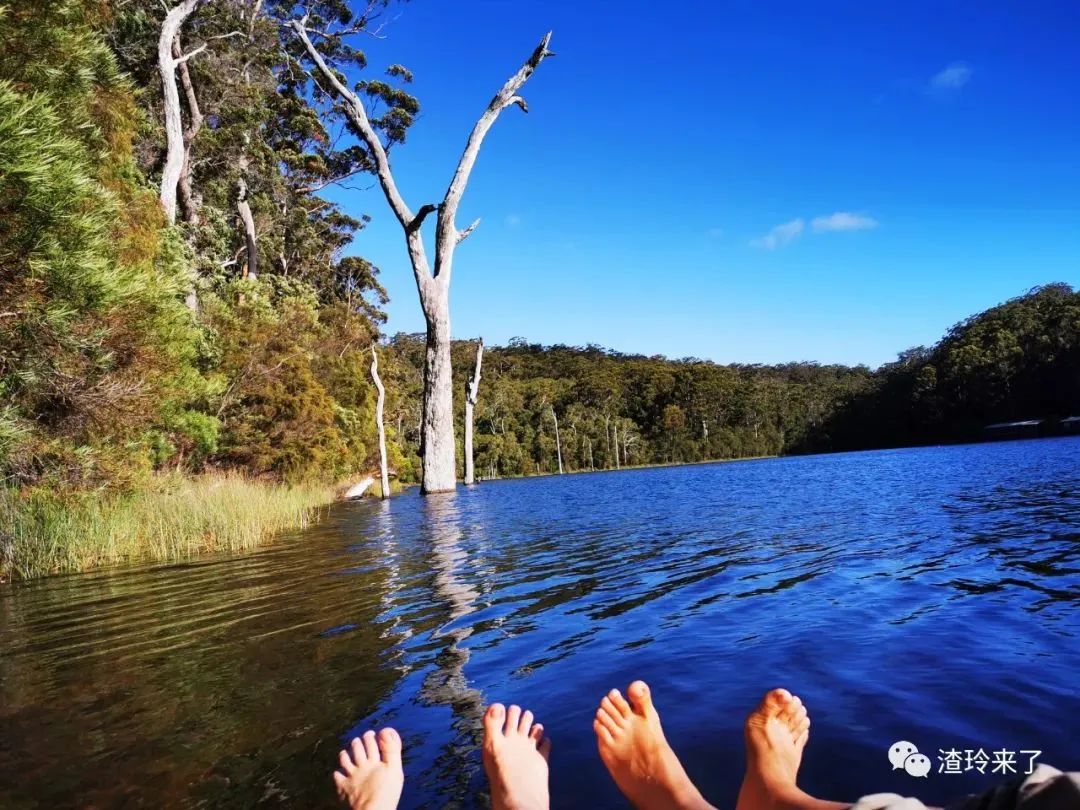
pixel 1017 360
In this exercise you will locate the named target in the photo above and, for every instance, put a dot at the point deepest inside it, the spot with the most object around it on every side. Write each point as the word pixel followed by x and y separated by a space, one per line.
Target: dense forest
pixel 226 327
pixel 1018 360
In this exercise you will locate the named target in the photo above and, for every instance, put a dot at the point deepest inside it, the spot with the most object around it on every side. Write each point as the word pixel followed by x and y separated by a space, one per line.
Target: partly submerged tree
pixel 323 32
pixel 472 392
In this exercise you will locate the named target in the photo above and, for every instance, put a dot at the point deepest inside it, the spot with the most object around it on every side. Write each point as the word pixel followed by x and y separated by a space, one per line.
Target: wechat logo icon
pixel 904 755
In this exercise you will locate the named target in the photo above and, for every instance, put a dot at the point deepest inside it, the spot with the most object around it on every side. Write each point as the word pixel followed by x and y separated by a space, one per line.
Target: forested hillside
pixel 152 335
pixel 1019 360
pixel 105 373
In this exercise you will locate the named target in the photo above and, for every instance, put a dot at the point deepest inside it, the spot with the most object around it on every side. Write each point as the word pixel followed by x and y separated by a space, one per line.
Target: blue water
pixel 928 595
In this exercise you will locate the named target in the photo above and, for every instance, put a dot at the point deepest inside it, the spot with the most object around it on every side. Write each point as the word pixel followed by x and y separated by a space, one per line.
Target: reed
pixel 177 518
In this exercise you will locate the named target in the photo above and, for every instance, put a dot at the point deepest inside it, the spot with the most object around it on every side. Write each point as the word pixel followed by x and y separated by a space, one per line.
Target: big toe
pixel 494 718
pixel 640 697
pixel 390 746
pixel 775 703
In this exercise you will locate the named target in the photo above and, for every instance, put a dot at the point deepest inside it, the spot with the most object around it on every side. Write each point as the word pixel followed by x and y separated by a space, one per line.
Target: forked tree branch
pixel 446 234
pixel 503 99
pixel 354 109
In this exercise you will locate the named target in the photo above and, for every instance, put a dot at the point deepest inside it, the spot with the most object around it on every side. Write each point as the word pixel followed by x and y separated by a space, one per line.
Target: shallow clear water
pixel 928 595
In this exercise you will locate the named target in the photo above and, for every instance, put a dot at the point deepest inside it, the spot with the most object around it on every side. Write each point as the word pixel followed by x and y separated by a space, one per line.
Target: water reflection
pixel 927 595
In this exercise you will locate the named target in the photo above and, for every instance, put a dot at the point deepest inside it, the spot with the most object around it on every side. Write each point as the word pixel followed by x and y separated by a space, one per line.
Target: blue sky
pixel 740 181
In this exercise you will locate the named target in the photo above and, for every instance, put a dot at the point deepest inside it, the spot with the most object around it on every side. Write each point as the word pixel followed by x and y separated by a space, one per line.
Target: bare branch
pixel 354 108
pixel 503 99
pixel 181 59
pixel 463 235
pixel 202 47
pixel 174 158
pixel 421 215
pixel 333 181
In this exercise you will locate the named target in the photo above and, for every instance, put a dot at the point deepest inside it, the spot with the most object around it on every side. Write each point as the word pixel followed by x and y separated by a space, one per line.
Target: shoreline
pixel 625 468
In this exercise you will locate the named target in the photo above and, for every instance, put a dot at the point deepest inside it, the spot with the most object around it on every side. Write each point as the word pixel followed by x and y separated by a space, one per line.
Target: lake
pixel 928 595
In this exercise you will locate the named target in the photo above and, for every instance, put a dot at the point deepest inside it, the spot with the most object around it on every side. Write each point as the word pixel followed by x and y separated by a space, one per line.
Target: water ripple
pixel 927 594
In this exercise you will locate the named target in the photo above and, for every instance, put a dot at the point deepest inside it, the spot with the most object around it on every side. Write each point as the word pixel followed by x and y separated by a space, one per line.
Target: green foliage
pixel 1019 360
pixel 657 410
pixel 93 336
pixel 107 378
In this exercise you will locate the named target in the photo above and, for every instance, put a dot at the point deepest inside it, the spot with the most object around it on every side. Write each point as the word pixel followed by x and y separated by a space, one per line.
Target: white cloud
pixel 951 79
pixel 842 221
pixel 780 235
pixel 513 220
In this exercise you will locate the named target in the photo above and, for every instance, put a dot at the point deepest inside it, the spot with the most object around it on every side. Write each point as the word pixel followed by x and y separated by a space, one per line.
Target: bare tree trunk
pixel 615 433
pixel 188 201
pixel 592 466
pixel 437 430
pixel 380 402
pixel 626 446
pixel 472 390
pixel 558 443
pixel 174 125
pixel 437 448
pixel 246 219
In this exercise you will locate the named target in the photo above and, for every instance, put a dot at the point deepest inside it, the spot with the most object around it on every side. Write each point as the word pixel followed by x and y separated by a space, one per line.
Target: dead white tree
pixel 243 210
pixel 629 440
pixel 175 151
pixel 188 200
pixel 558 443
pixel 472 390
pixel 433 285
pixel 379 403
pixel 615 433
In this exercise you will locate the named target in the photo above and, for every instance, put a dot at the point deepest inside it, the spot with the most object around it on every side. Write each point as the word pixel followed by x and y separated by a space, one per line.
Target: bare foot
pixel 633 747
pixel 776 734
pixel 370 777
pixel 516 759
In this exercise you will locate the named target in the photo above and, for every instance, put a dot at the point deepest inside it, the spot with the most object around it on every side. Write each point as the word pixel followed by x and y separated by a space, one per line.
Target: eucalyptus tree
pixel 323 32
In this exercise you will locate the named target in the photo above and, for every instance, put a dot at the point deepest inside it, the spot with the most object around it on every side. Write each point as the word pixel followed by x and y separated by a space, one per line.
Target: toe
pixel 803 738
pixel 607 721
pixel 776 701
pixel 341 781
pixel 640 697
pixel 359 753
pixel 493 721
pixel 389 746
pixel 346 761
pixel 793 713
pixel 513 717
pixel 544 748
pixel 602 733
pixel 371 745
pixel 615 696
pixel 608 705
pixel 536 733
pixel 525 723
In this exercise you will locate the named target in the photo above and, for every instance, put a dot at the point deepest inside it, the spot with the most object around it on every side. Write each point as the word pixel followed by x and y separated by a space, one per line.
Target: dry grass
pixel 45 533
